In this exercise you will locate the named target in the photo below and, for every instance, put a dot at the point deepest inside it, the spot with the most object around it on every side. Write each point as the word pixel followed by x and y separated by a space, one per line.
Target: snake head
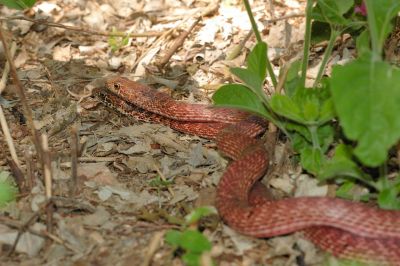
pixel 115 84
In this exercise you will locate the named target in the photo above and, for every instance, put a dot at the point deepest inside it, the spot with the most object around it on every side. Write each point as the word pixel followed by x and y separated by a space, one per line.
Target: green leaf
pixel 198 213
pixel 332 11
pixel 341 165
pixel 388 199
pixel 380 14
pixel 327 111
pixel 251 79
pixel 292 80
pixel 311 159
pixel 254 75
pixel 363 44
pixel 366 96
pixel 8 190
pixel 239 96
pixel 285 106
pixel 194 241
pixel 325 135
pixel 173 237
pixel 18 4
pixel 257 60
pixel 191 259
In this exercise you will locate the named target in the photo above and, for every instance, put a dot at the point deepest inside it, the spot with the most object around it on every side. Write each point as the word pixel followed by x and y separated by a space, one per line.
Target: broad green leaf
pixel 363 44
pixel 191 259
pixel 194 241
pixel 388 199
pixel 341 165
pixel 292 80
pixel 173 237
pixel 8 190
pixel 257 60
pixel 325 136
pixel 18 4
pixel 366 96
pixel 285 106
pixel 311 110
pixel 327 111
pixel 251 79
pixel 299 142
pixel 311 159
pixel 332 11
pixel 380 14
pixel 239 96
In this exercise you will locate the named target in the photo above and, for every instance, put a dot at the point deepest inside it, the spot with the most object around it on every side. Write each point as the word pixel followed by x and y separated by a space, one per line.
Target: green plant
pixel 18 4
pixel 8 190
pixel 117 42
pixel 363 96
pixel 191 241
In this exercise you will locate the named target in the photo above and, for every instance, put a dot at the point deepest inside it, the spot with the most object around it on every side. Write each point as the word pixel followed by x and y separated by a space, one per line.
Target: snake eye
pixel 117 86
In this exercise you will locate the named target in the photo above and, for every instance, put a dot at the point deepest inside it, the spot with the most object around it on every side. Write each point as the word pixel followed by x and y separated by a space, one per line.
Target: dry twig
pixel 21 94
pixel 83 30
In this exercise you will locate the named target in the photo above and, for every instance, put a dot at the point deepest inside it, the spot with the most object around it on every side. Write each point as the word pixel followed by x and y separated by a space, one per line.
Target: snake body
pixel 345 229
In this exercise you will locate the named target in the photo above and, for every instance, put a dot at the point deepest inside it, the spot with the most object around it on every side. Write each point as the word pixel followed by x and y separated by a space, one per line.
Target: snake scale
pixel 344 228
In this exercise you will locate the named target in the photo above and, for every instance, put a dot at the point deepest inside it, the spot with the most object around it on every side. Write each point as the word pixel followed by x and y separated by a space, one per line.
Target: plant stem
pixel 375 44
pixel 252 20
pixel 258 37
pixel 327 54
pixel 307 37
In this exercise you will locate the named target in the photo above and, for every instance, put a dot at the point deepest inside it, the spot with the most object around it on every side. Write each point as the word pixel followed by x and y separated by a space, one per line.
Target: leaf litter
pixel 118 210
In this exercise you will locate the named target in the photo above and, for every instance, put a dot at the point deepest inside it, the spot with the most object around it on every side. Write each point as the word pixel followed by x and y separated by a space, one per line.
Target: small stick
pixel 41 233
pixel 46 166
pixel 47 182
pixel 153 247
pixel 87 31
pixel 29 169
pixel 178 43
pixel 285 17
pixel 23 228
pixel 74 160
pixel 21 94
pixel 8 138
pixel 18 176
pixel 4 77
pixel 181 39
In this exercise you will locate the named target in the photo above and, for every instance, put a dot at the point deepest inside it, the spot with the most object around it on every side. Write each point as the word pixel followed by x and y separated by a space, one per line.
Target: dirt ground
pixel 114 214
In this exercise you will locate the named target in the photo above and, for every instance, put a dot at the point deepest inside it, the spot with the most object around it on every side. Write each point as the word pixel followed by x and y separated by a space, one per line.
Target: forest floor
pixel 116 214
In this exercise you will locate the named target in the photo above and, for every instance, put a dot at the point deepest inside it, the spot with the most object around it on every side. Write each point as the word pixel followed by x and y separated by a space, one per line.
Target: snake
pixel 346 229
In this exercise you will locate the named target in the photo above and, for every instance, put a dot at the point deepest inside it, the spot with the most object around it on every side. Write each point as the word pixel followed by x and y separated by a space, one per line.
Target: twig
pixel 87 31
pixel 8 138
pixel 238 48
pixel 153 247
pixel 178 43
pixel 29 169
pixel 47 182
pixel 284 17
pixel 21 94
pixel 23 228
pixel 4 77
pixel 74 161
pixel 181 39
pixel 18 176
pixel 46 166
